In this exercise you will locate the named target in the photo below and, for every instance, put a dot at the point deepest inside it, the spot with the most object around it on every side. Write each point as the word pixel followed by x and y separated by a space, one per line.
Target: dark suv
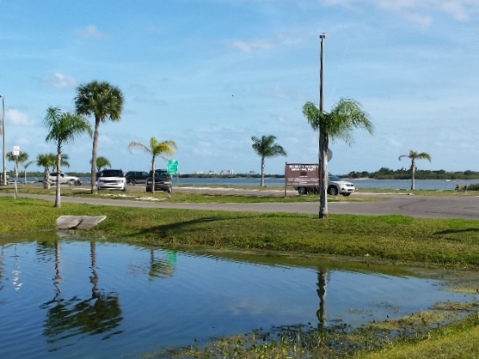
pixel 163 181
pixel 135 177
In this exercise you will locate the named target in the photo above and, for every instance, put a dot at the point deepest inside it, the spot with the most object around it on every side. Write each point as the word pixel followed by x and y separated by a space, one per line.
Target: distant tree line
pixel 405 173
pixel 382 173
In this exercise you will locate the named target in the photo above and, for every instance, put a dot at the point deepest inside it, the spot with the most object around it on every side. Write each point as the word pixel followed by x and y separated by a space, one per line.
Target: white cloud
pixel 252 45
pixel 265 43
pixel 91 31
pixel 60 80
pixel 17 118
pixel 422 20
pixel 458 9
pixel 417 11
pixel 394 143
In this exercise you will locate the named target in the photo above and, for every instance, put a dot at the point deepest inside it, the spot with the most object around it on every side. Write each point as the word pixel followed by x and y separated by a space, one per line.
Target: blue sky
pixel 210 74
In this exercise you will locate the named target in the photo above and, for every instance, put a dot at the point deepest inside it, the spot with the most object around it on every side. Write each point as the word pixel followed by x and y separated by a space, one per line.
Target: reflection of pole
pixel 57 278
pixel 16 176
pixel 94 276
pixel 4 165
pixel 2 266
pixel 17 284
pixel 321 313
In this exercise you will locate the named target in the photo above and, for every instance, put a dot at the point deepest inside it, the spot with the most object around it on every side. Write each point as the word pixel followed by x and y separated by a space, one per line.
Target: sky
pixel 210 74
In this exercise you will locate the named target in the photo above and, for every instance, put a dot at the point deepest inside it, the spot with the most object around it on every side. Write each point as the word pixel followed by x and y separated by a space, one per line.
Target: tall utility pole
pixel 4 164
pixel 323 139
pixel 322 37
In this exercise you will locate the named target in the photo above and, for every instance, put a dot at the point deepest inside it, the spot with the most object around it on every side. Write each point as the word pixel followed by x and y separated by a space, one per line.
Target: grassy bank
pixel 452 242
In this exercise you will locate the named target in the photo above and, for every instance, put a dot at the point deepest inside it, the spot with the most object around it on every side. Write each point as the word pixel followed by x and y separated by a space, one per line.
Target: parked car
pixel 163 181
pixel 136 177
pixel 65 179
pixel 111 179
pixel 335 186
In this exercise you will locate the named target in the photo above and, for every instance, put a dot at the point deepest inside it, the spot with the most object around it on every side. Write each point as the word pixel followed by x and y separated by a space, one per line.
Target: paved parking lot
pixel 411 205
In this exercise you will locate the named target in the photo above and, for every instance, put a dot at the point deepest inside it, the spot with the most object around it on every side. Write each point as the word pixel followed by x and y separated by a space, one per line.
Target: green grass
pixel 459 340
pixel 453 242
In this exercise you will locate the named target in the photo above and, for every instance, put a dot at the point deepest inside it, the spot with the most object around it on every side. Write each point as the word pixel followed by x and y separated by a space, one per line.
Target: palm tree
pixel 266 147
pixel 104 102
pixel 63 162
pixel 413 156
pixel 339 123
pixel 46 160
pixel 25 166
pixel 63 128
pixel 102 162
pixel 22 157
pixel 155 149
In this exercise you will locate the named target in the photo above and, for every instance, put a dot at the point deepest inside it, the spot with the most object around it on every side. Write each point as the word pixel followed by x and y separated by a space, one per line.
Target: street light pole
pixel 323 159
pixel 322 37
pixel 4 165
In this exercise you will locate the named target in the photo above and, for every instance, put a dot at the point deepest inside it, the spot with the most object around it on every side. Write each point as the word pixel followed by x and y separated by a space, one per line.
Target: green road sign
pixel 172 166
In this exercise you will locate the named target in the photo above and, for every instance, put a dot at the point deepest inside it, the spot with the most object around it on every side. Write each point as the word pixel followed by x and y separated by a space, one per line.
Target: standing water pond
pixel 66 298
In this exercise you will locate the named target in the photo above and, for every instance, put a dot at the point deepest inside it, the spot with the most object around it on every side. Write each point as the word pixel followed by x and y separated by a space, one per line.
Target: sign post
pixel 16 153
pixel 172 167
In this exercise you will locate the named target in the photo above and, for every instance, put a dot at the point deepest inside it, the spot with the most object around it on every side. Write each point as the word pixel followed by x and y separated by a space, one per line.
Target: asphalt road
pixel 402 204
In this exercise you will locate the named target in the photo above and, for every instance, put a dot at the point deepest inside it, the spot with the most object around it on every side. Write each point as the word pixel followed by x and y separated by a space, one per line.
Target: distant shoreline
pixel 420 175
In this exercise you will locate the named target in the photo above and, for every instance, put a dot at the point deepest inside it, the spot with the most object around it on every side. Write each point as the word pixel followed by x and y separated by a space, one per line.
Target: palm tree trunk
pixel 413 174
pixel 93 157
pixel 153 174
pixel 323 176
pixel 57 188
pixel 262 172
pixel 46 178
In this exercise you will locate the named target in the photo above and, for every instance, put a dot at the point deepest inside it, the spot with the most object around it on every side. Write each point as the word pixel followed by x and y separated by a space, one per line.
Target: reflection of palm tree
pixel 101 313
pixel 321 313
pixel 57 278
pixel 74 317
pixel 94 274
pixel 17 284
pixel 2 266
pixel 162 267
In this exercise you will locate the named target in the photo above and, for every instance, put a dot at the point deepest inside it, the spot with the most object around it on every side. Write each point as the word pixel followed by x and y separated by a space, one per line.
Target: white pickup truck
pixel 65 179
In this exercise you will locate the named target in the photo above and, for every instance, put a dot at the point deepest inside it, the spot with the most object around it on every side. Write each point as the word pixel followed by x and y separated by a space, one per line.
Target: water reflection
pixel 321 313
pixel 75 317
pixel 95 299
pixel 162 267
pixel 2 266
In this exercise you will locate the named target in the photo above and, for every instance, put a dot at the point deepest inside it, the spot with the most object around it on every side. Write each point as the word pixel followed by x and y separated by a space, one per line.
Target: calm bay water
pixel 359 183
pixel 439 185
pixel 89 299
